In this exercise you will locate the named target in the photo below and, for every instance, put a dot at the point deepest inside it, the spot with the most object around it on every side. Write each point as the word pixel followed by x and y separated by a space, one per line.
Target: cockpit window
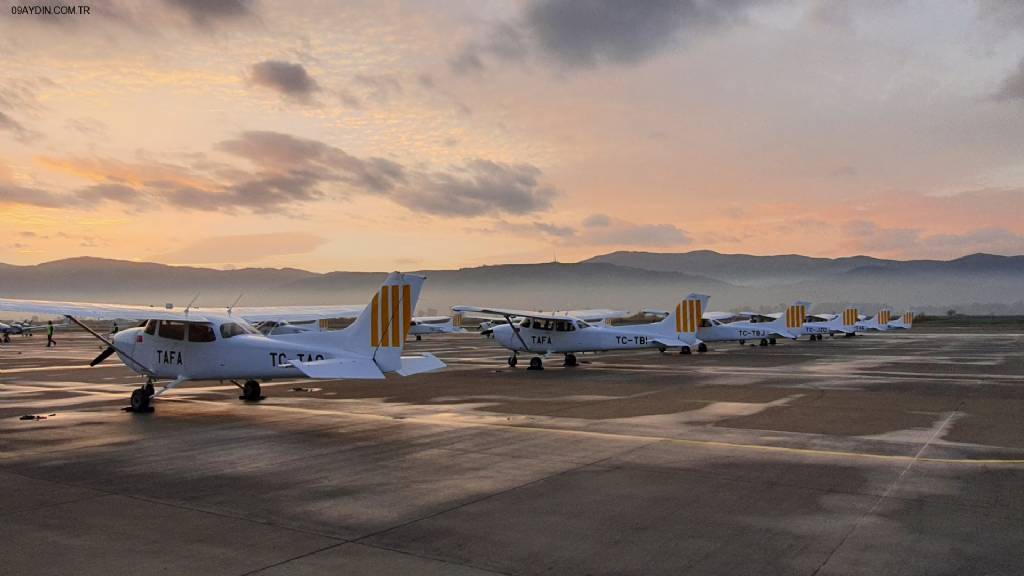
pixel 151 326
pixel 172 330
pixel 525 323
pixel 201 332
pixel 232 329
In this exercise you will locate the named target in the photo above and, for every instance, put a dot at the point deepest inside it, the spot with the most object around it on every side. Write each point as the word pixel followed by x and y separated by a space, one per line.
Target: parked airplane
pixel 23 328
pixel 904 322
pixel 878 322
pixel 723 326
pixel 590 315
pixel 199 345
pixel 550 333
pixel 817 326
pixel 432 325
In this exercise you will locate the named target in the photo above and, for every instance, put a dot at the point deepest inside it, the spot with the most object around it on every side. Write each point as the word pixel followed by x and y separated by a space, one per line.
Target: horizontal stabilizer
pixel 340 368
pixel 669 342
pixel 419 364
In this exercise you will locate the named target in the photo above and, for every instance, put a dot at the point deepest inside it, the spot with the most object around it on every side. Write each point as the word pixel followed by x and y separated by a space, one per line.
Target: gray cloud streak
pixel 286 78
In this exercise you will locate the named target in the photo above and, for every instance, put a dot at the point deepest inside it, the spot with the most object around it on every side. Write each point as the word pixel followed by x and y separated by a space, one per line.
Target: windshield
pixel 231 329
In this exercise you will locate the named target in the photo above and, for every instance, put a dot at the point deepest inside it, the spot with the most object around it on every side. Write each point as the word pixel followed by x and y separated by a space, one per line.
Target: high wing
pixel 594 314
pixel 589 315
pixel 508 312
pixel 254 314
pixel 98 311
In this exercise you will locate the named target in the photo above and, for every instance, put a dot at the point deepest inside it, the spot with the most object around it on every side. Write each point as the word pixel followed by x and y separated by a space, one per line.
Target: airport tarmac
pixel 896 453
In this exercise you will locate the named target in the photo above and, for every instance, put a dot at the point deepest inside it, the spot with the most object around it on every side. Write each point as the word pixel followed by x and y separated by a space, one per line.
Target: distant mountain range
pixel 979 283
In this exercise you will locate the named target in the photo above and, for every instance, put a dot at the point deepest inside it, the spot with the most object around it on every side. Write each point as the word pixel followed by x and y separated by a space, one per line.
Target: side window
pixel 201 332
pixel 230 329
pixel 151 326
pixel 172 330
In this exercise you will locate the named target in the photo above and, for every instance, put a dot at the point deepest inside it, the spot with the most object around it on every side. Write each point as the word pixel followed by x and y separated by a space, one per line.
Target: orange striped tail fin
pixel 796 314
pixel 689 313
pixel 884 316
pixel 850 317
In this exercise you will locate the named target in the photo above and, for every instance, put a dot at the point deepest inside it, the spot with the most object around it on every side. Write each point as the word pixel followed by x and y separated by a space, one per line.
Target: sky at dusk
pixel 409 135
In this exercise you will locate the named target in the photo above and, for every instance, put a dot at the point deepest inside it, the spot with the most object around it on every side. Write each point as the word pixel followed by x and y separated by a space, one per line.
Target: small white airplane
pixel 433 325
pixel 724 327
pixel 590 315
pixel 198 345
pixel 879 322
pixel 815 327
pixel 562 333
pixel 904 322
pixel 23 328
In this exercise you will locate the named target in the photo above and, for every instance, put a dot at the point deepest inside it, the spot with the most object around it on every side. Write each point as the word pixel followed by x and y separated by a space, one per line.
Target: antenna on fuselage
pixel 233 304
pixel 194 298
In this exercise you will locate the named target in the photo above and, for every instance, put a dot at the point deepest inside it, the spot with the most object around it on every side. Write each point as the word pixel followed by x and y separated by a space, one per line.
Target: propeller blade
pixel 103 356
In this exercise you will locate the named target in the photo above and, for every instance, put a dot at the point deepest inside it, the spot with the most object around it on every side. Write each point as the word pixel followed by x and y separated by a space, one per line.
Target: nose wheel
pixel 141 397
pixel 513 360
pixel 251 391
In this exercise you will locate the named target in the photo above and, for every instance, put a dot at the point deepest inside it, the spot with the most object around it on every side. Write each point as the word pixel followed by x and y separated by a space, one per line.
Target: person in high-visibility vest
pixel 49 334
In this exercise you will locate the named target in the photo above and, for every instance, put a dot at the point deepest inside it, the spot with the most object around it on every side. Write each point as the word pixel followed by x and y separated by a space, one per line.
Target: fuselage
pixel 735 331
pixel 571 335
pixel 219 348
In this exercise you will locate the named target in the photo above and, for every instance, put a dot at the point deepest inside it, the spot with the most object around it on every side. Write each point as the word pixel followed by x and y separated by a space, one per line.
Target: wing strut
pixel 110 345
pixel 515 329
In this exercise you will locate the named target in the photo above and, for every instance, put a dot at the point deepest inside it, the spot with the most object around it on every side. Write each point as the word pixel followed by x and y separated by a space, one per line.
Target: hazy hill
pixel 551 285
pixel 740 268
pixel 976 283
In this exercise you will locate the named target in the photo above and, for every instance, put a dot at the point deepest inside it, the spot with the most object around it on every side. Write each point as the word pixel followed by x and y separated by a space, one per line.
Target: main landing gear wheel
pixel 764 341
pixel 251 391
pixel 513 360
pixel 570 361
pixel 685 350
pixel 742 342
pixel 536 363
pixel 702 347
pixel 661 349
pixel 771 341
pixel 141 397
pixel 419 337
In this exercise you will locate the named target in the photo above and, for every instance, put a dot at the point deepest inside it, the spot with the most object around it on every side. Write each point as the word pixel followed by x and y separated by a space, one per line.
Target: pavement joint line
pixel 55 504
pixel 426 557
pixel 501 492
pixel 108 493
pixel 878 501
pixel 294 558
pixel 990 510
pixel 643 438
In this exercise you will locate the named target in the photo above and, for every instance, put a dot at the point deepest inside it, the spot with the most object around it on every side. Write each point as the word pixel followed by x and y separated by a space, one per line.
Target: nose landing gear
pixel 141 397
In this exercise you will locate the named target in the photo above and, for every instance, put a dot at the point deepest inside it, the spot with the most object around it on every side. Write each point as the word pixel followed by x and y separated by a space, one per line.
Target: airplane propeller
pixel 103 356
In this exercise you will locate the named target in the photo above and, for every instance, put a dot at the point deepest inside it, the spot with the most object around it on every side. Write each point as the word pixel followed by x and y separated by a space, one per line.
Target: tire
pixel 570 361
pixel 764 342
pixel 140 400
pixel 685 350
pixel 536 363
pixel 742 342
pixel 702 347
pixel 771 341
pixel 512 361
pixel 251 391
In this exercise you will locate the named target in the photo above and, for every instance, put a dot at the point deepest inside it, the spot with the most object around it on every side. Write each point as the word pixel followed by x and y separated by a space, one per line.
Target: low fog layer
pixel 977 284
